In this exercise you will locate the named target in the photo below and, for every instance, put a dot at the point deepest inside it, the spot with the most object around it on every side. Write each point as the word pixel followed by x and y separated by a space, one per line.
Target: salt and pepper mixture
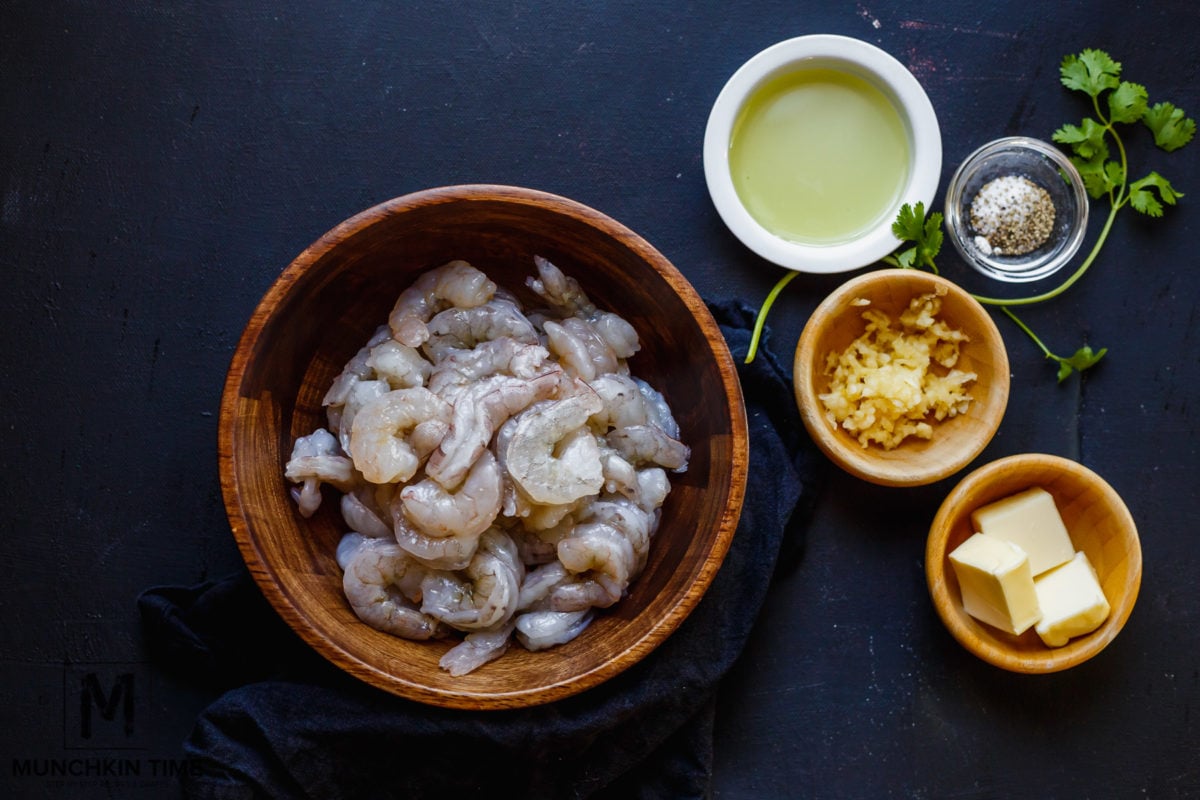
pixel 1011 216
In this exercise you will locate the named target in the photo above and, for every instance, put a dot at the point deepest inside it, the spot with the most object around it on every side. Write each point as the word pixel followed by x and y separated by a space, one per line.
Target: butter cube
pixel 1031 521
pixel 996 583
pixel 1071 600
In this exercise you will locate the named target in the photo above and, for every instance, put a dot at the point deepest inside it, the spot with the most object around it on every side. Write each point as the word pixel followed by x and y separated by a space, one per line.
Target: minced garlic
pixel 883 387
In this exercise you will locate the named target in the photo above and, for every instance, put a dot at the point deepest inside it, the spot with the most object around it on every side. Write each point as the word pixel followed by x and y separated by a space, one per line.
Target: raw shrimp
pixel 454 284
pixel 403 367
pixel 649 444
pixel 622 403
pixel 632 521
pixel 559 290
pixel 381 582
pixel 541 546
pixel 469 511
pixel 547 460
pixel 569 300
pixel 356 369
pixel 580 349
pixel 488 595
pixel 377 438
pixel 538 630
pixel 444 553
pixel 317 458
pixel 463 328
pixel 341 417
pixel 473 440
pixel 477 649
pixel 478 410
pixel 604 554
pixel 362 518
pixel 460 368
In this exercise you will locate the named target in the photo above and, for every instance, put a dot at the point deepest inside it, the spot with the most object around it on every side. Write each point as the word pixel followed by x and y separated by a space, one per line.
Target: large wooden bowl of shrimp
pixel 333 298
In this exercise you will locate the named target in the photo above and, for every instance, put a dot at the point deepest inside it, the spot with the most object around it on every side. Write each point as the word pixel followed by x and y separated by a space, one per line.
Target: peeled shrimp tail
pixel 477 649
pixel 539 630
pixel 649 444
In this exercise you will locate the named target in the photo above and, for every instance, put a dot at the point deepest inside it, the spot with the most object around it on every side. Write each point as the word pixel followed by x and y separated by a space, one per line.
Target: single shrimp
pixel 477 649
pixel 604 554
pixel 538 630
pixel 317 458
pixel 580 349
pixel 632 521
pixel 362 519
pixel 341 416
pixel 649 444
pixel 460 368
pixel 441 553
pixel 403 367
pixel 463 328
pixel 488 596
pixel 622 403
pixel 456 283
pixel 380 582
pixel 356 369
pixel 658 411
pixel 469 511
pixel 539 582
pixel 560 290
pixel 478 410
pixel 548 458
pixel 377 437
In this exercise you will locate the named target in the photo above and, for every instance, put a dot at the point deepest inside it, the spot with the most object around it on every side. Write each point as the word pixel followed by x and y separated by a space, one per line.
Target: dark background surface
pixel 161 163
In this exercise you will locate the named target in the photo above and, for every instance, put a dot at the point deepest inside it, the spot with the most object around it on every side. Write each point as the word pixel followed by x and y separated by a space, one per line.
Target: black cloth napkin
pixel 292 726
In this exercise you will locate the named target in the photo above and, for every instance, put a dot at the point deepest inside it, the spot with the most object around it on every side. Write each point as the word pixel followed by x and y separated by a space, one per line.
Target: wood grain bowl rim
pixel 949 609
pixel 939 458
pixel 265 574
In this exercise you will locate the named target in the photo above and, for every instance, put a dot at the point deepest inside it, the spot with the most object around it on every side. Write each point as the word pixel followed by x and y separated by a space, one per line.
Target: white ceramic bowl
pixel 859 59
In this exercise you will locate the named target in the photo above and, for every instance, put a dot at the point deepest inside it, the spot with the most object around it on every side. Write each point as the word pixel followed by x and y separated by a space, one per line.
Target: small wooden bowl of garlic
pixel 1103 556
pixel 901 377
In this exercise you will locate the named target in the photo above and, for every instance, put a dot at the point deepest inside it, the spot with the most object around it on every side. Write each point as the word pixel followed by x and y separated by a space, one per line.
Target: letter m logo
pixel 99 705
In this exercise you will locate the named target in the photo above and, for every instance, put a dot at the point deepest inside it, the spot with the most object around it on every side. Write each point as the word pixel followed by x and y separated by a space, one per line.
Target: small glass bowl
pixel 1044 165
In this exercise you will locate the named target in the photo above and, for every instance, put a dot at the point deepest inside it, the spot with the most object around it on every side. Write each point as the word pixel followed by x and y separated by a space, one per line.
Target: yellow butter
pixel 1031 521
pixel 1072 601
pixel 996 583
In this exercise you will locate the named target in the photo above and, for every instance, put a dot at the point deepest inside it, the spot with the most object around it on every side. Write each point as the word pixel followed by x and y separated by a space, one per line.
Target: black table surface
pixel 160 163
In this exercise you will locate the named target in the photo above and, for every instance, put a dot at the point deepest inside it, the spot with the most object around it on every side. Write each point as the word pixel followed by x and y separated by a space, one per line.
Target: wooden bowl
pixel 1096 519
pixel 956 441
pixel 325 306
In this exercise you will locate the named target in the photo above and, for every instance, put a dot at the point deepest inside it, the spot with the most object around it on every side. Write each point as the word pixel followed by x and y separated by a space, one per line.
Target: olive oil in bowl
pixel 819 155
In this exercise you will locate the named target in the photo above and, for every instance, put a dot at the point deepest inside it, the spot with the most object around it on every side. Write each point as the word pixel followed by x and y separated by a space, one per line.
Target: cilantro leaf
pixel 1097 178
pixel 1143 200
pixel 1128 102
pixel 1092 71
pixel 1081 360
pixel 1086 138
pixel 925 234
pixel 1172 130
pixel 910 223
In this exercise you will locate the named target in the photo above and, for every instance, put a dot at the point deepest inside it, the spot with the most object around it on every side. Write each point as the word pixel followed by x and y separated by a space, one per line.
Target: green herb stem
pixel 762 313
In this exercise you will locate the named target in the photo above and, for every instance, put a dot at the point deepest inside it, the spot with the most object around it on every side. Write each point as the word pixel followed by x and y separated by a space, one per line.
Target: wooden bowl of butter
pixel 1033 563
pixel 901 377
